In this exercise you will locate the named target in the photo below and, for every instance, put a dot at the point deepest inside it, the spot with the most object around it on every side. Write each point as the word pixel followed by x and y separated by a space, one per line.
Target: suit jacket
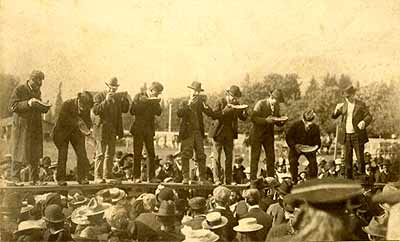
pixel 144 112
pixel 360 113
pixel 186 114
pixel 297 134
pixel 261 129
pixel 27 132
pixel 228 233
pixel 108 115
pixel 226 120
pixel 262 218
pixel 146 227
pixel 67 121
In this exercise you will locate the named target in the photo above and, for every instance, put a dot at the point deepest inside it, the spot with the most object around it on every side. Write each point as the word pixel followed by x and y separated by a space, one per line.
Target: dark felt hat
pixel 197 203
pixel 156 86
pixel 349 90
pixel 309 115
pixel 53 214
pixel 258 184
pixel 196 86
pixel 284 188
pixel 324 191
pixel 113 82
pixel 167 209
pixel 234 91
pixel 166 194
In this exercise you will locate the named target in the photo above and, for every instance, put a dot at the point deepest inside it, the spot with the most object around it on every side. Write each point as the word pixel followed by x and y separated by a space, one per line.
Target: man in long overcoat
pixel 27 132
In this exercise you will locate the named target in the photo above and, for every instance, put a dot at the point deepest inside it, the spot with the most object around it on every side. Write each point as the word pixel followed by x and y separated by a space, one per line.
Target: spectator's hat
pixel 284 188
pixel 390 195
pixel 234 91
pixel 309 115
pixel 95 207
pixel 350 90
pixel 222 194
pixel 53 214
pixel 156 86
pixel 375 228
pixel 247 225
pixel 197 203
pixel 277 94
pixel 196 86
pixel 26 209
pixel 198 235
pixel 214 220
pixel 29 225
pixel 113 82
pixel 79 217
pixel 117 217
pixel 167 209
pixel 258 184
pixel 77 199
pixel 111 195
pixel 326 191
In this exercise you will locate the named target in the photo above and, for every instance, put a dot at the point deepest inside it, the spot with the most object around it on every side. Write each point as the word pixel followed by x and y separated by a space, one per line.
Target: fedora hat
pixel 375 228
pixel 350 89
pixel 113 82
pixel 95 207
pixel 77 199
pixel 28 225
pixel 234 91
pixel 247 225
pixel 167 209
pixel 156 86
pixel 53 214
pixel 79 217
pixel 214 220
pixel 390 195
pixel 196 86
pixel 309 115
pixel 198 235
pixel 111 195
pixel 198 203
pixel 284 188
pixel 324 191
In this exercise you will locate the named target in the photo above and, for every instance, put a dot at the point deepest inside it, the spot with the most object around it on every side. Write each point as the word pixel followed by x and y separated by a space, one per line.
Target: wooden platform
pixel 53 187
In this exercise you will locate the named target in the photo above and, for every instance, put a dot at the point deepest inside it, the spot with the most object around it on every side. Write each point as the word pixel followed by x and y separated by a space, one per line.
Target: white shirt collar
pixel 254 206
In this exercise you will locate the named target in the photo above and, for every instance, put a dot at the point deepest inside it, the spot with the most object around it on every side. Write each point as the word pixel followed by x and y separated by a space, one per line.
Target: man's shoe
pixel 185 181
pixel 62 183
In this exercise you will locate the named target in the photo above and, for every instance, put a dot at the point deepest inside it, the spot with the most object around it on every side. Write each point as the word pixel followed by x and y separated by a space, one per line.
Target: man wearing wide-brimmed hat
pixel 108 108
pixel 247 229
pixel 355 118
pixel 191 130
pixel 224 130
pixel 72 125
pixel 265 116
pixel 145 106
pixel 30 230
pixel 27 133
pixel 300 133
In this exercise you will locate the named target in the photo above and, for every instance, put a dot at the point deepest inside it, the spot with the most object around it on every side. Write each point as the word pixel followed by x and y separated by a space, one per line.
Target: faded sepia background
pixel 82 43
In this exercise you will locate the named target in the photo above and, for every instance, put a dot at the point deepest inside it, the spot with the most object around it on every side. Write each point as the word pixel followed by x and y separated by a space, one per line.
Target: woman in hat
pixel 323 209
pixel 29 230
pixel 247 229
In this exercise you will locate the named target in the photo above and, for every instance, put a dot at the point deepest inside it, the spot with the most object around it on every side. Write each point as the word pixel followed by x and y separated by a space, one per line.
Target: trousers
pixel 225 144
pixel 193 142
pixel 294 163
pixel 105 150
pixel 352 142
pixel 148 141
pixel 268 145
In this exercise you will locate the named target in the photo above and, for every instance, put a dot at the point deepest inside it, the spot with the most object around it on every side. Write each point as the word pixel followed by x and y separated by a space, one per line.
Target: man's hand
pixel 269 120
pixel 361 125
pixel 338 107
pixel 109 96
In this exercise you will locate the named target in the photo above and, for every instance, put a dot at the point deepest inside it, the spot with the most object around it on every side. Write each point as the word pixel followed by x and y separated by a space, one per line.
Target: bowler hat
pixel 277 94
pixel 234 91
pixel 247 225
pixel 324 191
pixel 284 188
pixel 156 86
pixel 196 86
pixel 53 214
pixel 349 90
pixel 309 115
pixel 167 209
pixel 113 82
pixel 214 220
pixel 197 203
pixel 165 194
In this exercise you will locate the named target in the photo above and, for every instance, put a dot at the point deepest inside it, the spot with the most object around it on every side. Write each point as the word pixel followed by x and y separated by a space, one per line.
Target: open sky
pixel 85 42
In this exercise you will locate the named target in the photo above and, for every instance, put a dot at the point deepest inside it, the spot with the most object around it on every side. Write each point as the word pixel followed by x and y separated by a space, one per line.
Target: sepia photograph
pixel 199 121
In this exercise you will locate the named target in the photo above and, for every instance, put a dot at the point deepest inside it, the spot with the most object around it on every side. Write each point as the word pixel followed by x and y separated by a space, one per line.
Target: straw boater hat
pixel 111 195
pixel 95 207
pixel 199 235
pixel 247 225
pixel 29 225
pixel 79 217
pixel 214 220
pixel 375 228
pixel 324 191
pixel 77 199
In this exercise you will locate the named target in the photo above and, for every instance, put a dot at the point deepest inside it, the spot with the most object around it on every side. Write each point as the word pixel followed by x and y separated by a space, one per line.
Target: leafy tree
pixel 59 102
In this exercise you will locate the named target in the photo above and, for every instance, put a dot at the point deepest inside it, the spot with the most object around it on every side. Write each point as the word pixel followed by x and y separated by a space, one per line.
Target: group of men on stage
pixel 74 123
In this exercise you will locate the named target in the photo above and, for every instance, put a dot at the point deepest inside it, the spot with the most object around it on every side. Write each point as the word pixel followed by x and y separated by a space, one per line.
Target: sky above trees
pixel 84 43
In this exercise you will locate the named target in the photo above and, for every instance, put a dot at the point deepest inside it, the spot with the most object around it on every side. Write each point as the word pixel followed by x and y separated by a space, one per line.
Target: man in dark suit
pixel 252 198
pixel 145 106
pixel 352 132
pixel 303 132
pixel 72 125
pixel 191 130
pixel 262 132
pixel 27 132
pixel 225 129
pixel 108 108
